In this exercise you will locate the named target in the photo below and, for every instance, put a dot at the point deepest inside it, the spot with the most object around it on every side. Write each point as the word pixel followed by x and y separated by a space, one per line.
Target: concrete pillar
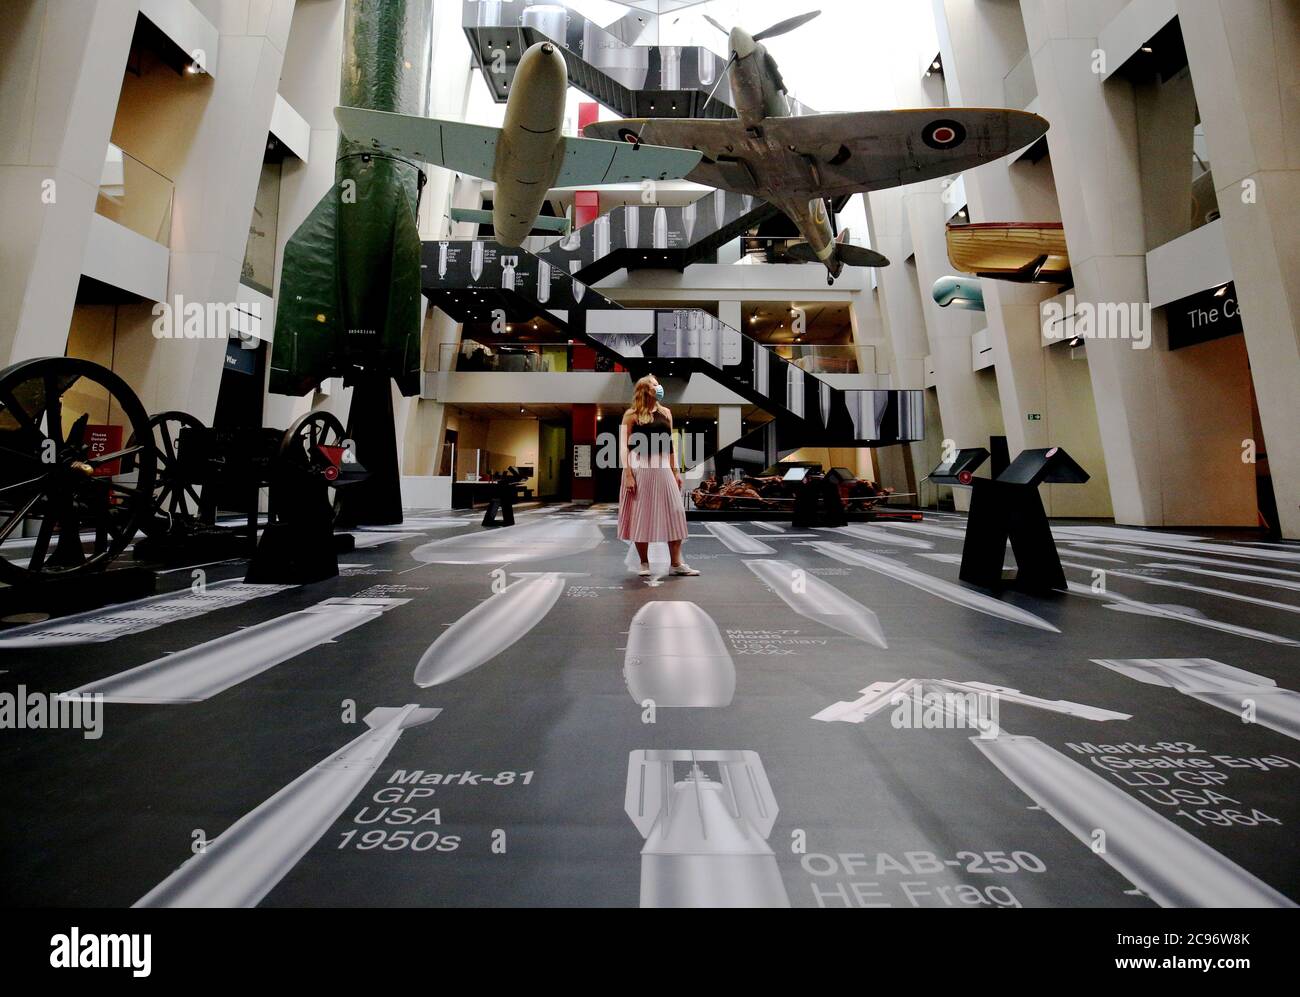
pixel 1166 419
pixel 1244 59
pixel 981 45
pixel 61 66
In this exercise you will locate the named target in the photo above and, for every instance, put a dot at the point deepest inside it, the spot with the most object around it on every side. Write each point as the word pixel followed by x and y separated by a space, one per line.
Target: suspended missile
pixel 874 534
pixel 676 656
pixel 245 862
pixel 946 590
pixel 1284 607
pixel 688 222
pixel 350 283
pixel 950 696
pixel 959 292
pixel 1165 862
pixel 819 601
pixel 660 229
pixel 509 544
pixel 204 670
pixel 706 836
pixel 737 541
pixel 137 616
pixel 489 628
pixel 1233 690
pixel 794 393
pixel 1123 604
pixel 631 226
pixel 525 158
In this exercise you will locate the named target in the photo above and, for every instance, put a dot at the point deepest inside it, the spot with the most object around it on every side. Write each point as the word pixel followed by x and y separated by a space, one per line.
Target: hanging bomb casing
pixel 350 283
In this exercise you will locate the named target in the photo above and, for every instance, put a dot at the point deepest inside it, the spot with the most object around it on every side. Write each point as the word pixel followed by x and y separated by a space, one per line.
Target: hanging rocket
pixel 350 285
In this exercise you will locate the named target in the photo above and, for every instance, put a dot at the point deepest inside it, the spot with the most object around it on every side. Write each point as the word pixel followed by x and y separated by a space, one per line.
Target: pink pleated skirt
pixel 654 513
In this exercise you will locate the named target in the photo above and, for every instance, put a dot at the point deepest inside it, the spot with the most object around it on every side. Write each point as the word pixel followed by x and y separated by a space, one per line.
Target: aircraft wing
pixel 593 161
pixel 846 153
pixel 720 141
pixel 872 150
pixel 472 149
pixel 458 146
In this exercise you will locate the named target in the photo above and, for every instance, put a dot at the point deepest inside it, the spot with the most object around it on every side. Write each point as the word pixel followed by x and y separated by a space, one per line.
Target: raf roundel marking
pixel 943 134
pixel 629 136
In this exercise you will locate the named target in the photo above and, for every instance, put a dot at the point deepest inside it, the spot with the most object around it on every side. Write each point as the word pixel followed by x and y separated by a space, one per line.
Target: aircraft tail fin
pixel 849 255
pixel 857 256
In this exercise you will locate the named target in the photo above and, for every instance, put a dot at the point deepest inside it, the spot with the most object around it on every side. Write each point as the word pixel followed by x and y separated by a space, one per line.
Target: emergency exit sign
pixel 1035 416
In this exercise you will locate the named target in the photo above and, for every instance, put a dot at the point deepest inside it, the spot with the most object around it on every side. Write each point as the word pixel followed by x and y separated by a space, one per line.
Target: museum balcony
pixel 130 231
pixel 135 195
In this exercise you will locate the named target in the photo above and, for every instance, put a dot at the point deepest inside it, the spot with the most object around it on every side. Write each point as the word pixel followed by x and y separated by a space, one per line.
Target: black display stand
pixel 377 501
pixel 960 470
pixel 1000 455
pixel 298 545
pixel 817 503
pixel 1009 508
pixel 503 501
pixel 503 494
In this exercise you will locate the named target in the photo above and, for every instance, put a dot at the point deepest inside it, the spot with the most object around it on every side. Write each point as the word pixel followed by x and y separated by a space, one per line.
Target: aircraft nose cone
pixel 741 43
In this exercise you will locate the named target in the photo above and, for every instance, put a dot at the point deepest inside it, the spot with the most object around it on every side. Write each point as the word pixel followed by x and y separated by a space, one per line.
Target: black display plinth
pixel 79 592
pixel 299 546
pixel 293 554
pixel 1009 508
pixel 196 546
pixel 376 501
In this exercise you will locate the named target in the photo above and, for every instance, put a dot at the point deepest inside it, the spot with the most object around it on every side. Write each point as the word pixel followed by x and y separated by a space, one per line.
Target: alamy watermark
pixel 1073 319
pixel 933 709
pixel 181 319
pixel 23 710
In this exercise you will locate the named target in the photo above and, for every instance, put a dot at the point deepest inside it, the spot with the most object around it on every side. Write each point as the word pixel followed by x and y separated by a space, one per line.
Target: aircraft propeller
pixel 780 28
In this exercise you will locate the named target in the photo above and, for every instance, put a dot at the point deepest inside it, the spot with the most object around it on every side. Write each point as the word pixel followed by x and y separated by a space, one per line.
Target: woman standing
pixel 650 500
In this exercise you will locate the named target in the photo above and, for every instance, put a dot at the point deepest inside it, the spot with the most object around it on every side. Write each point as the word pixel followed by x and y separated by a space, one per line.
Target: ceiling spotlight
pixel 1221 291
pixel 193 68
pixel 1147 49
pixel 1075 342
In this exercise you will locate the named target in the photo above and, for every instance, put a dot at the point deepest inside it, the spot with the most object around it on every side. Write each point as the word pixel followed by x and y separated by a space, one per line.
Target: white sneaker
pixel 684 569
pixel 645 570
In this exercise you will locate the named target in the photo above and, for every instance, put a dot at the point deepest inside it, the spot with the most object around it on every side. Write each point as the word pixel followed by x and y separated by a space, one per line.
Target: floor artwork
pixel 823 718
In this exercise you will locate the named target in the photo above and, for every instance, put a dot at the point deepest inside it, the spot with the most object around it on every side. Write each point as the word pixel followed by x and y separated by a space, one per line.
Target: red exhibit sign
pixel 102 440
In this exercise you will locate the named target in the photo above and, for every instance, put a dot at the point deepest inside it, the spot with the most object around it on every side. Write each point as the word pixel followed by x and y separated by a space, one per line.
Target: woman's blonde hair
pixel 644 400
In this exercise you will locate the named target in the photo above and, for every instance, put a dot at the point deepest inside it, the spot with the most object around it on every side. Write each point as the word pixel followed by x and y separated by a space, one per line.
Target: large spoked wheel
pixel 300 449
pixel 58 466
pixel 176 503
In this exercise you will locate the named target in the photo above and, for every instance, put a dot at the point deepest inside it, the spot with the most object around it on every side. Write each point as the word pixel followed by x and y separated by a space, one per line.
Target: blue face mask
pixel 659 392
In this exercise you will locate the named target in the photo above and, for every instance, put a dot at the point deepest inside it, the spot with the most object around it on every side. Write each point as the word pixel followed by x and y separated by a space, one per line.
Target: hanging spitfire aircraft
pixel 796 163
pixel 525 158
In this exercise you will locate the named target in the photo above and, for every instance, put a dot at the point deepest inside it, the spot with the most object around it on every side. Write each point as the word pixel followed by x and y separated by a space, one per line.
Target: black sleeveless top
pixel 650 438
